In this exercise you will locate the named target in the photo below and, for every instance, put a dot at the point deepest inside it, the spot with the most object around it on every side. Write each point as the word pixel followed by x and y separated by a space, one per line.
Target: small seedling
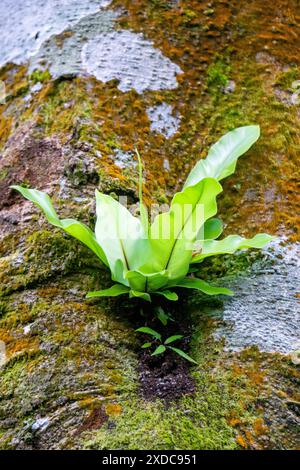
pixel 164 345
pixel 163 316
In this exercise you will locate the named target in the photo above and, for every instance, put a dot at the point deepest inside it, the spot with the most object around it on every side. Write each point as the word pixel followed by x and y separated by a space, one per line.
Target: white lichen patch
pixel 265 309
pixel 162 120
pixel 62 54
pixel 124 159
pixel 131 59
pixel 26 24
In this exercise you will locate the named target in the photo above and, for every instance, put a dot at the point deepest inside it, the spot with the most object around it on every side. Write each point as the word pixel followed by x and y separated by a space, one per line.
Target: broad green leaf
pixel 159 350
pixel 72 227
pixel 167 294
pixel 118 272
pixel 144 282
pixel 157 281
pixel 149 331
pixel 137 280
pixel 173 338
pixel 172 233
pixel 141 295
pixel 121 235
pixel 183 354
pixel 212 229
pixel 229 245
pixel 146 345
pixel 115 290
pixel 199 284
pixel 222 156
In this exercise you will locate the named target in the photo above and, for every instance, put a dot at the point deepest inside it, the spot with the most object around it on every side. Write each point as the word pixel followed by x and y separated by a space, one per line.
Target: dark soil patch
pixel 94 420
pixel 166 376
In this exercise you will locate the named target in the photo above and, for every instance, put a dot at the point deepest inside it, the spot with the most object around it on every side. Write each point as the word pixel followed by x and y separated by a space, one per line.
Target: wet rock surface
pixel 86 85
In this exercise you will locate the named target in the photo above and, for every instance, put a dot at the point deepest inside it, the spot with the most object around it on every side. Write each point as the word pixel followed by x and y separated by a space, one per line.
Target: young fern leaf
pixel 173 338
pixel 159 350
pixel 147 282
pixel 183 354
pixel 149 331
pixel 167 294
pixel 141 295
pixel 121 236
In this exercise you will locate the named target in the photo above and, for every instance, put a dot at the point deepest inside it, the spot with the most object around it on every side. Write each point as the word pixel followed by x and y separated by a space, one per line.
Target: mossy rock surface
pixel 70 368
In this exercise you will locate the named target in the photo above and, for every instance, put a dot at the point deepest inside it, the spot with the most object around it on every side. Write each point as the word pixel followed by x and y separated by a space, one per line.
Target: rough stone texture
pixel 265 309
pixel 69 373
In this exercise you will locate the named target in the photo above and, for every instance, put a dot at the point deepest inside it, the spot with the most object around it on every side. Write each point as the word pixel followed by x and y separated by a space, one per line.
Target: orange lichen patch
pixel 113 409
pixel 249 438
pixel 253 374
pixel 50 292
pixel 15 79
pixel 5 336
pixel 88 402
pixel 259 427
pixel 5 128
pixel 233 422
pixel 60 38
pixel 15 345
pixel 256 376
pixel 242 442
pixel 22 345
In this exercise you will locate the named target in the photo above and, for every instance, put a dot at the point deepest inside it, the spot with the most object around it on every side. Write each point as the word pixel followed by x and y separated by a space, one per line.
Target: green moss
pixel 286 78
pixel 40 76
pixel 44 254
pixel 2 308
pixel 149 425
pixel 217 74
pixel 200 421
pixel 3 174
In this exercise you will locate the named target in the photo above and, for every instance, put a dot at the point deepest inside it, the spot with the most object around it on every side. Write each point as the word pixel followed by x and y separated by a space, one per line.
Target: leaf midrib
pixel 181 230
